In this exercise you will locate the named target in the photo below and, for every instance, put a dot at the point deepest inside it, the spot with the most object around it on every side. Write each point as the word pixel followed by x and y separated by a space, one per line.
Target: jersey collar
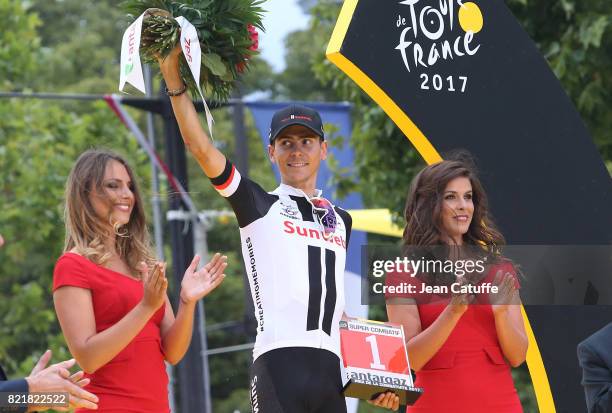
pixel 284 189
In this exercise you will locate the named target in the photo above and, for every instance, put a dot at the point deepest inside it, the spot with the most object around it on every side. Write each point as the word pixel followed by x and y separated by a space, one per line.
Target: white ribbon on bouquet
pixel 131 68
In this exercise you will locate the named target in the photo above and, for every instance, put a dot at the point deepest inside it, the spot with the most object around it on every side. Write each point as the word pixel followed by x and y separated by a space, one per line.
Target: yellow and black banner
pixel 456 74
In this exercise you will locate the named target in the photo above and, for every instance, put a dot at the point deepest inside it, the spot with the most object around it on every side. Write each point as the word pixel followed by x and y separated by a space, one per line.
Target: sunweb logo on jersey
pixel 434 31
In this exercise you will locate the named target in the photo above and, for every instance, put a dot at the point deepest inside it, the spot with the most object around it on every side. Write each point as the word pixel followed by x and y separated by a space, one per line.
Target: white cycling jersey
pixel 295 272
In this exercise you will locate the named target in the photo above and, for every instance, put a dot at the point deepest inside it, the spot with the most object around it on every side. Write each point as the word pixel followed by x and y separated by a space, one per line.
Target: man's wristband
pixel 176 92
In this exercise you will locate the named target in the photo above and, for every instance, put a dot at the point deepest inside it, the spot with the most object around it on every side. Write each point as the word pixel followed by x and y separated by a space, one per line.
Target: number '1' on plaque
pixel 376 361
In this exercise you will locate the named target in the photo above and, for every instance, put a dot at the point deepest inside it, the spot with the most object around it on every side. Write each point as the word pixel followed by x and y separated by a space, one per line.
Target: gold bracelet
pixel 176 92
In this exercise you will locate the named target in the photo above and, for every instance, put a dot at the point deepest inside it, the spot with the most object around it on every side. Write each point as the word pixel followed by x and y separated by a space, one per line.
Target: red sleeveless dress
pixel 135 380
pixel 469 373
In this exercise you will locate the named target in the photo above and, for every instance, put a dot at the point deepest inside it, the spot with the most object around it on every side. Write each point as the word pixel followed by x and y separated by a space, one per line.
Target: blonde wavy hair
pixel 86 232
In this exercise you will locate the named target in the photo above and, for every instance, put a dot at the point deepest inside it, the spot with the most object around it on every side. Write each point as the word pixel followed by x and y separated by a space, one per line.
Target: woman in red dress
pixel 110 293
pixel 459 350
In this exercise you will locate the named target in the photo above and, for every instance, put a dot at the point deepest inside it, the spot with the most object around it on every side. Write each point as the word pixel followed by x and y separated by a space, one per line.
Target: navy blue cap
pixel 296 115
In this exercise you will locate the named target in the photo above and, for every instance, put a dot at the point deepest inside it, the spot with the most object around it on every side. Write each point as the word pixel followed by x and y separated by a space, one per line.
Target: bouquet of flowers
pixel 226 29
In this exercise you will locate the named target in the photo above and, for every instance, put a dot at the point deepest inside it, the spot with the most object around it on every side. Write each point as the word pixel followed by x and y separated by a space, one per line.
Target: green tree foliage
pixel 296 82
pixel 576 38
pixel 39 142
pixel 73 46
pixel 258 77
pixel 38 145
pixel 80 45
pixel 19 40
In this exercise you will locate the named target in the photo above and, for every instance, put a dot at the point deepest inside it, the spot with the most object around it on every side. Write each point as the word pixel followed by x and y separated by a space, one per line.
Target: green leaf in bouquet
pixel 222 29
pixel 214 63
pixel 202 4
pixel 228 76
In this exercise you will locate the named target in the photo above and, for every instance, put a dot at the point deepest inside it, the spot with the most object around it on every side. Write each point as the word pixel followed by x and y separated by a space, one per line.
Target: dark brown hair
pixel 424 207
pixel 85 231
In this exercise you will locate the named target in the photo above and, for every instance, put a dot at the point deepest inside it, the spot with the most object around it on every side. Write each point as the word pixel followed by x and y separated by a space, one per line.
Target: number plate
pixel 375 360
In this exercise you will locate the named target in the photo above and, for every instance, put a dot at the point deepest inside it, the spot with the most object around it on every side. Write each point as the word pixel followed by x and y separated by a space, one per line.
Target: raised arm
pixel 92 350
pixel 211 160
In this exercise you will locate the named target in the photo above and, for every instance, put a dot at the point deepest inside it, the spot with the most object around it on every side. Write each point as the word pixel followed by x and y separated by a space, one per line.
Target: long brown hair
pixel 424 207
pixel 86 232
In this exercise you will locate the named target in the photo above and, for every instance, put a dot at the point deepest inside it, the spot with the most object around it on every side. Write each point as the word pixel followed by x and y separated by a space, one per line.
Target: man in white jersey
pixel 294 246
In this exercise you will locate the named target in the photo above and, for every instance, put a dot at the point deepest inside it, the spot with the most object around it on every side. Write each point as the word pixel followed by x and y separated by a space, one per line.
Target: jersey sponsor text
pixel 260 312
pixel 293 228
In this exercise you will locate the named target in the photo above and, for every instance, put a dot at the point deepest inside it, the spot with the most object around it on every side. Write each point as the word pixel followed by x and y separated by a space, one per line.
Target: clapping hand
pixel 506 295
pixel 155 284
pixel 198 283
pixel 459 302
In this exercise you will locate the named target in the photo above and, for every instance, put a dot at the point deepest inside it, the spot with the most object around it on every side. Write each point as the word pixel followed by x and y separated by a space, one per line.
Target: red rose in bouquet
pixel 254 35
pixel 225 45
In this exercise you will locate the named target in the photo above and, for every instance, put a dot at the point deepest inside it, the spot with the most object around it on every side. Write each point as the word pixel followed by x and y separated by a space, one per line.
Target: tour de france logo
pixel 429 36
